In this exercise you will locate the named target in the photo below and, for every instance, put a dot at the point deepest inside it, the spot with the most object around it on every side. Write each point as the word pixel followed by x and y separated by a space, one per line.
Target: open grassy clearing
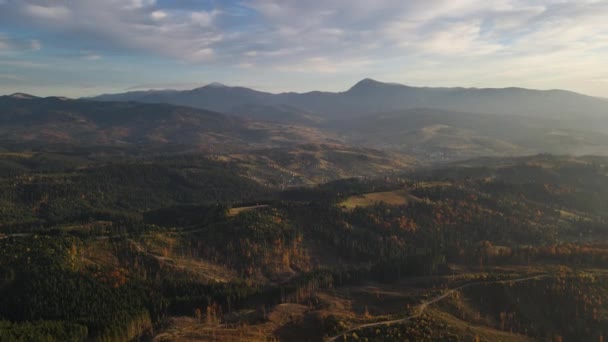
pixel 397 197
pixel 24 155
pixel 432 184
pixel 236 211
pixel 572 216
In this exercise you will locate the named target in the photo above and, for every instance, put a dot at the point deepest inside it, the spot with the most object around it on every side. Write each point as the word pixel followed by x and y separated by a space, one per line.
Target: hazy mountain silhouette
pixel 370 96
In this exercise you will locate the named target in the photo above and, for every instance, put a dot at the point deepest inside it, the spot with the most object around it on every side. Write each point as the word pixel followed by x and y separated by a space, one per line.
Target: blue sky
pixel 87 47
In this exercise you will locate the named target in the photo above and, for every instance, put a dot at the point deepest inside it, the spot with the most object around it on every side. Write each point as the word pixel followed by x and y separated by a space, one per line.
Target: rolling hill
pixel 428 135
pixel 310 164
pixel 27 119
pixel 274 153
pixel 446 135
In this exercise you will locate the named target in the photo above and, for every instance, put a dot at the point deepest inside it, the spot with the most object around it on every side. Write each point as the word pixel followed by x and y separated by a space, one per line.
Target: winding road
pixel 424 305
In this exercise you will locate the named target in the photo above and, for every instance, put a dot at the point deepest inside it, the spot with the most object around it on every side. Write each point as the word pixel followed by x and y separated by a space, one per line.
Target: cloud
pixel 203 18
pixel 459 39
pixel 324 65
pixel 47 12
pixel 332 29
pixel 135 26
pixel 158 15
pixel 10 45
pixel 11 77
pixel 135 4
pixel 244 65
pixel 23 64
pixel 374 31
pixel 202 54
pixel 509 40
pixel 90 56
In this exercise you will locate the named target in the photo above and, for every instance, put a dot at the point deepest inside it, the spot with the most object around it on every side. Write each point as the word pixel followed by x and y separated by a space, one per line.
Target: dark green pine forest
pixel 113 249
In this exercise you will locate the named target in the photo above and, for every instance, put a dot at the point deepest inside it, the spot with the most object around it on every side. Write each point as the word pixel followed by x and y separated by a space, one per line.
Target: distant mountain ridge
pixel 23 96
pixel 370 96
pixel 211 97
pixel 56 120
pixel 431 124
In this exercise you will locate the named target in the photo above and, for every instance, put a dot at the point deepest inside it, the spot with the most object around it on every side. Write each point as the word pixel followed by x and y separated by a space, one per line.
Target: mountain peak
pixel 23 96
pixel 216 85
pixel 369 83
pixel 212 85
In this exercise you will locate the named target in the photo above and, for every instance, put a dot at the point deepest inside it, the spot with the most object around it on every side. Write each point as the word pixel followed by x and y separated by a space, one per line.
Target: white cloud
pixel 134 4
pixel 158 15
pixel 459 39
pixel 47 12
pixel 134 25
pixel 460 35
pixel 324 65
pixel 515 38
pixel 90 56
pixel 202 18
pixel 202 54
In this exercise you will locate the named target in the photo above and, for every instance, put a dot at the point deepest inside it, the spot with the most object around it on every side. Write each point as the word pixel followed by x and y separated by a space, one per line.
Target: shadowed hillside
pixel 63 121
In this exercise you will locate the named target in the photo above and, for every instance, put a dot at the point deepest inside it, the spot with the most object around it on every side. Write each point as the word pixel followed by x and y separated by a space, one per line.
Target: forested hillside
pixel 160 127
pixel 148 243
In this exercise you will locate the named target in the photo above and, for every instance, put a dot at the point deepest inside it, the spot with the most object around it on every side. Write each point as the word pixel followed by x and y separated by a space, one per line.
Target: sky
pixel 86 47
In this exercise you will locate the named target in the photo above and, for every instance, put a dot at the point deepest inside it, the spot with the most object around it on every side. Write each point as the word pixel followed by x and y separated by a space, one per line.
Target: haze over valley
pixel 425 125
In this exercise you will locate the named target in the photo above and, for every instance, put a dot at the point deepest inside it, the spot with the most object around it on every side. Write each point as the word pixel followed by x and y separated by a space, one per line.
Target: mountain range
pixel 422 124
pixel 369 96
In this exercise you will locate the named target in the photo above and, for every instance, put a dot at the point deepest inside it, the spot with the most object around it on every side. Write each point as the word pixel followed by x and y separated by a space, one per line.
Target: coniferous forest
pixel 129 248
